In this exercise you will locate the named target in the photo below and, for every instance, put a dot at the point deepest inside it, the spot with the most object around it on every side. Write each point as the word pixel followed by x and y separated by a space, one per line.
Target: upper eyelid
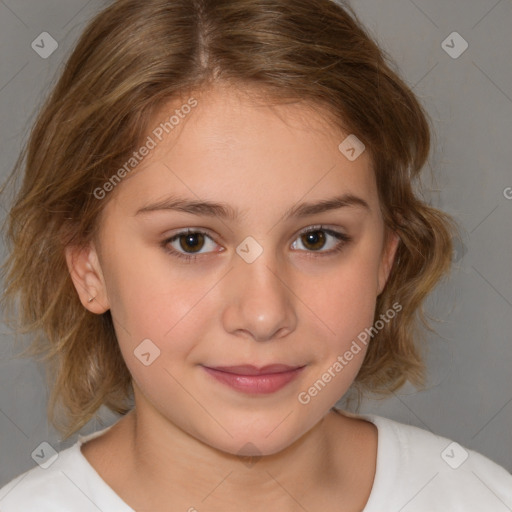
pixel 206 231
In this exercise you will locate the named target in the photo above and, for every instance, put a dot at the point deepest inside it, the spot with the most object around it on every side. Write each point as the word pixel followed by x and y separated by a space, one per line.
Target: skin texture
pixel 291 305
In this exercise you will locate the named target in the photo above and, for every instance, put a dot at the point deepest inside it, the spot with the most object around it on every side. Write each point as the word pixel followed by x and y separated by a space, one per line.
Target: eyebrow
pixel 225 211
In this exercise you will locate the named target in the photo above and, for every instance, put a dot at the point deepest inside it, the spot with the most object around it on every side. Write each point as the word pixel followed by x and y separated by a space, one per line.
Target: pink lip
pixel 253 380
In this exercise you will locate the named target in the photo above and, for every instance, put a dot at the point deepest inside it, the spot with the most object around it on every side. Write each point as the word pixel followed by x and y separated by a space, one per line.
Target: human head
pixel 123 70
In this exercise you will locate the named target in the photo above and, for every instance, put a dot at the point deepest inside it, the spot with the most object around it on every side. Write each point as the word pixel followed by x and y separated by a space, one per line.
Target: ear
pixel 388 255
pixel 87 276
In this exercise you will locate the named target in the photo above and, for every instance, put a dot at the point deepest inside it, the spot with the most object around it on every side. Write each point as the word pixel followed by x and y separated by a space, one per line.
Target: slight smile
pixel 252 380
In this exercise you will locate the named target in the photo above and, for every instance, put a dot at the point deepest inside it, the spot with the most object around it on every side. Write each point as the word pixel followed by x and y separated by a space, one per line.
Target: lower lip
pixel 255 384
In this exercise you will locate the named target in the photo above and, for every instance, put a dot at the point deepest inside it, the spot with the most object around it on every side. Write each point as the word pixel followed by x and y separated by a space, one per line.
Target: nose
pixel 260 303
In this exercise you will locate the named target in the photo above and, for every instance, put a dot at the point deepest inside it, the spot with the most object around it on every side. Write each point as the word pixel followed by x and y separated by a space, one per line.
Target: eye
pixel 186 240
pixel 316 238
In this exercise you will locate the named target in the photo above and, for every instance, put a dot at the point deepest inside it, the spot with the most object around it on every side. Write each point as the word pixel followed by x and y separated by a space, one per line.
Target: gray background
pixel 469 394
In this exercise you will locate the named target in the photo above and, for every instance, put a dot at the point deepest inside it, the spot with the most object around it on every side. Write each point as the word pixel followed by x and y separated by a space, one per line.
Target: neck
pixel 177 469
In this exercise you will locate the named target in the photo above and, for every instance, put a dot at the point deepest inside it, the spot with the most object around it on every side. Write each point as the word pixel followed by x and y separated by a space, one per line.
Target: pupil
pixel 191 240
pixel 314 237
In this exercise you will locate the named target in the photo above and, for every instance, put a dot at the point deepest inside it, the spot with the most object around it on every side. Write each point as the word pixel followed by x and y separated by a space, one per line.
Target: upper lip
pixel 247 369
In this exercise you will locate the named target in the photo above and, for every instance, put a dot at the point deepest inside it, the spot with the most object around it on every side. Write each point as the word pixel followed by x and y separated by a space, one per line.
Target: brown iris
pixel 191 239
pixel 315 238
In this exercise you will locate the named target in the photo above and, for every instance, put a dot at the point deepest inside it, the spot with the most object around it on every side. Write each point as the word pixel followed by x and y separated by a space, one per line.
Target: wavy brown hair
pixel 134 57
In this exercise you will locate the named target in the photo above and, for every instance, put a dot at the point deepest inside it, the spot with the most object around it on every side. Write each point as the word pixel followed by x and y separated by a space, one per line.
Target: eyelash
pixel 342 237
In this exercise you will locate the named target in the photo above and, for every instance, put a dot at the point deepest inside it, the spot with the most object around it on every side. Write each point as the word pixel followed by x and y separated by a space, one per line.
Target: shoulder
pixel 62 483
pixel 46 486
pixel 431 472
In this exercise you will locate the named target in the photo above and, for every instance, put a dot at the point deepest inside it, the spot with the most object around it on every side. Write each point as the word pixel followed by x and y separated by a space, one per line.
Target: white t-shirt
pixel 417 471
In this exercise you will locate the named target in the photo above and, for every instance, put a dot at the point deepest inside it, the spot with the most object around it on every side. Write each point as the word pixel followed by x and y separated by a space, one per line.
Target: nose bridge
pixel 260 305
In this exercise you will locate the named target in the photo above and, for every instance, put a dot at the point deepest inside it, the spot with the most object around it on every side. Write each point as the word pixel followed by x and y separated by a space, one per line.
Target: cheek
pixel 148 293
pixel 164 310
pixel 347 295
pixel 346 304
pixel 344 300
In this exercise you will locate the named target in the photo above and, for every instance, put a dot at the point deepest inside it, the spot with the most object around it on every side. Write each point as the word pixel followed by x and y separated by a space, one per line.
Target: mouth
pixel 253 380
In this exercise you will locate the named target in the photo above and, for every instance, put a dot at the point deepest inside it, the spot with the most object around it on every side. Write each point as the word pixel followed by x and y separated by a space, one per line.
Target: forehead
pixel 234 147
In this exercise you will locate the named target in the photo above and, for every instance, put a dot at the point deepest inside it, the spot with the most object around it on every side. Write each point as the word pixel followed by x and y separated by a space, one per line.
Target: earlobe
pixel 388 257
pixel 85 271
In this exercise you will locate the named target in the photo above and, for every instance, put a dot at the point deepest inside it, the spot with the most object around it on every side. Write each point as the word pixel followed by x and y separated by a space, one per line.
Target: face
pixel 226 321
